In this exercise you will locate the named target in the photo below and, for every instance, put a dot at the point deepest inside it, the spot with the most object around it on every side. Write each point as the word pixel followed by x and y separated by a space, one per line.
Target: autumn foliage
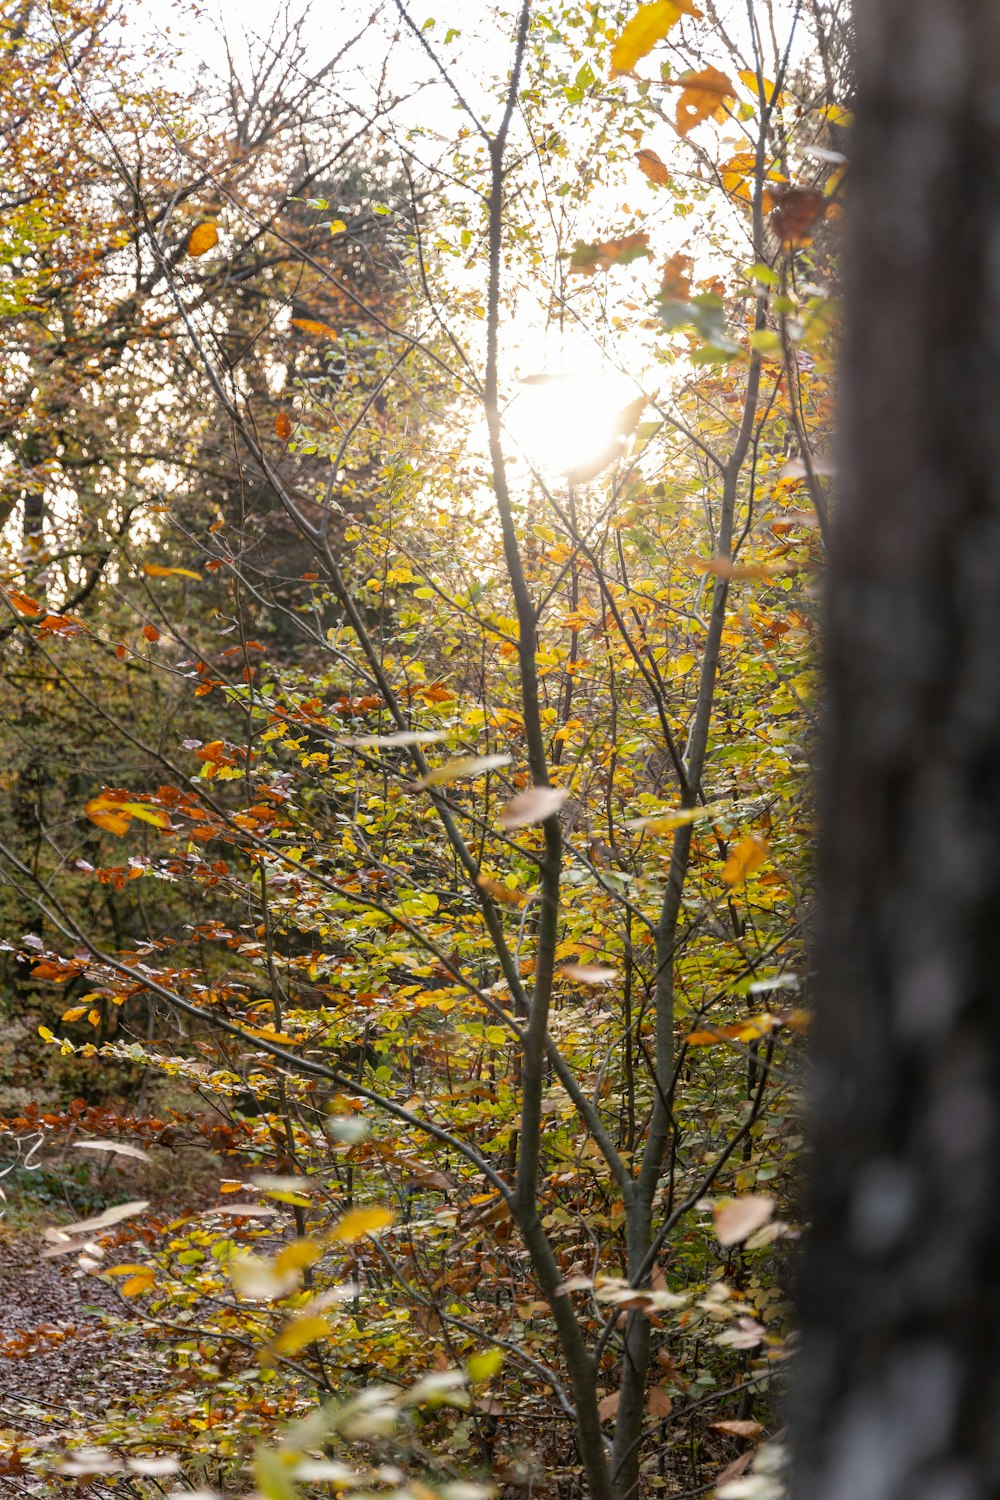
pixel 408 740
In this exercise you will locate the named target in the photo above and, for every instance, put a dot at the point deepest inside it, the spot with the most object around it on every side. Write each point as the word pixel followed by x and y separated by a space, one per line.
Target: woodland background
pixel 414 468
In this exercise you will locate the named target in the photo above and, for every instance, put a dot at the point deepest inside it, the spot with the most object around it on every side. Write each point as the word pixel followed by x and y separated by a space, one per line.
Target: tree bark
pixel 897 1386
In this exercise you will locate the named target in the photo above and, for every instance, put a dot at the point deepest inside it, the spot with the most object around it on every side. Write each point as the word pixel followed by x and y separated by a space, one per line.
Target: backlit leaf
pixel 649 25
pixel 313 325
pixel 653 167
pixel 203 237
pixel 157 570
pixel 704 96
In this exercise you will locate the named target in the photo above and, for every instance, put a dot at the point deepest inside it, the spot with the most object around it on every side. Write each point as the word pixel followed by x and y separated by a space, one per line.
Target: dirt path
pixel 60 1366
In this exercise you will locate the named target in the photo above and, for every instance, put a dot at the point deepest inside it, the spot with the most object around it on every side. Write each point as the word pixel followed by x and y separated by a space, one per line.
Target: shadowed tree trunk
pixel 897 1390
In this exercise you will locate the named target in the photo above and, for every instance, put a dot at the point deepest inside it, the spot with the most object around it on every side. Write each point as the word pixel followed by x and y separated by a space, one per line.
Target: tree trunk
pixel 897 1388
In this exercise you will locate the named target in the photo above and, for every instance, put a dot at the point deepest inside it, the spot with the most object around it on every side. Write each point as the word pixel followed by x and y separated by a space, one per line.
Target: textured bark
pixel 897 1389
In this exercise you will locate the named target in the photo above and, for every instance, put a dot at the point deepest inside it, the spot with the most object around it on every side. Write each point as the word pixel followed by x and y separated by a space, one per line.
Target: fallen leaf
pixel 100 1221
pixel 357 1222
pixel 202 238
pixel 704 96
pixel 796 211
pixel 653 167
pixel 532 806
pixel 313 325
pixel 649 25
pixel 749 854
pixel 736 1427
pixel 458 770
pixel 741 1216
pixel 587 973
pixel 157 570
pixel 497 890
pixel 118 1148
pixel 586 259
pixel 658 1403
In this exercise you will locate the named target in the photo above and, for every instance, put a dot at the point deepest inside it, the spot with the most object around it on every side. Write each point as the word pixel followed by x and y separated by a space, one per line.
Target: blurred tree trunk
pixel 897 1391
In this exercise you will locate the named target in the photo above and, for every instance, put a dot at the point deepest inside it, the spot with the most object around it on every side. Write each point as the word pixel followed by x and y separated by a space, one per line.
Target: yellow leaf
pixel 157 570
pixel 484 1366
pixel 357 1222
pixel 139 1283
pixel 749 854
pixel 74 1013
pixel 649 25
pixel 128 1269
pixel 202 238
pixel 297 1255
pixel 749 80
pixel 704 96
pixel 305 1330
pixel 46 1035
pixel 312 325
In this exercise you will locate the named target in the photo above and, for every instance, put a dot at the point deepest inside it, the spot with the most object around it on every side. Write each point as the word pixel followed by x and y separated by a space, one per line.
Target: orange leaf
pixel 749 854
pixel 24 604
pixel 157 570
pixel 608 1406
pixel 151 633
pixel 283 425
pixel 704 97
pixel 202 238
pixel 500 892
pixel 653 167
pixel 312 325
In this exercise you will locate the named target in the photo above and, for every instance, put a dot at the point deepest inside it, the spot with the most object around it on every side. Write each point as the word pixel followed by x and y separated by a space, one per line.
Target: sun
pixel 563 424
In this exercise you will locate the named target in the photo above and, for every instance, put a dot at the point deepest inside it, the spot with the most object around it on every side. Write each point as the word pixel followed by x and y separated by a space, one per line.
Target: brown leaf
pixel 658 1403
pixel 736 1468
pixel 202 238
pixel 741 1216
pixel 675 285
pixel 737 1428
pixel 608 1405
pixel 532 806
pixel 704 96
pixel 796 211
pixel 653 167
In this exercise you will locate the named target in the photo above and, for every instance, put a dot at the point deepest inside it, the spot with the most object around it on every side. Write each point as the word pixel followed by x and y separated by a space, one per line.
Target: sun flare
pixel 563 424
